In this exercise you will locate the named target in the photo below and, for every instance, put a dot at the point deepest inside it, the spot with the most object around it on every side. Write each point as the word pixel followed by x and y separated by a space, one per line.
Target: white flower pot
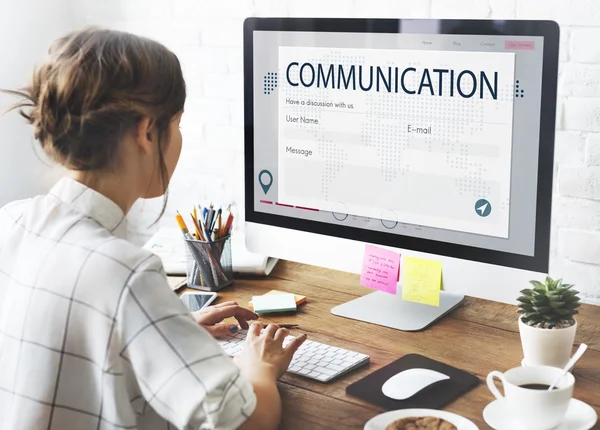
pixel 547 347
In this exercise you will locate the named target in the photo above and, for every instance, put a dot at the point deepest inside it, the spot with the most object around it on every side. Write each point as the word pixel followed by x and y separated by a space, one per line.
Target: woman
pixel 91 336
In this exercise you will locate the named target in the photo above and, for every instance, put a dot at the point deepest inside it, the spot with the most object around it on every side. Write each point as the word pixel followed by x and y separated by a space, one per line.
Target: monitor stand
pixel 391 311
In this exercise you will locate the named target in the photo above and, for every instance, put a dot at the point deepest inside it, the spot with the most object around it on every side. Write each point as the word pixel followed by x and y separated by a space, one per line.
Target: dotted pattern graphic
pixel 462 121
pixel 270 82
pixel 519 93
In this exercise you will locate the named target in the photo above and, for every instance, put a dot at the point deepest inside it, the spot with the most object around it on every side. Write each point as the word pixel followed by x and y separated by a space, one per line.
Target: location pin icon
pixel 265 184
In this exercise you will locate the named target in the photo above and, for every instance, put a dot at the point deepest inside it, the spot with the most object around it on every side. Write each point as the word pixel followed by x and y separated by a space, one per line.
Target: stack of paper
pixel 298 298
pixel 271 303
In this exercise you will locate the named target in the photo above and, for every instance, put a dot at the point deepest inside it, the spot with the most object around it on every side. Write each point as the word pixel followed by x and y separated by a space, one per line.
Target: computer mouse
pixel 409 382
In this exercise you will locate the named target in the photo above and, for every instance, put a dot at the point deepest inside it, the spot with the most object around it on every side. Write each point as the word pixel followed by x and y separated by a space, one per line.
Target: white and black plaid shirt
pixel 91 336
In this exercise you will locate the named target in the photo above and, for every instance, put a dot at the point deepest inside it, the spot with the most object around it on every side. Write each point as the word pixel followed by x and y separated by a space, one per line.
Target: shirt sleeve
pixel 182 371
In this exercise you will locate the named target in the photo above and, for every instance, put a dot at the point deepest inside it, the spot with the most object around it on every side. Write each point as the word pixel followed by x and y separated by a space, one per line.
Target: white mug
pixel 529 408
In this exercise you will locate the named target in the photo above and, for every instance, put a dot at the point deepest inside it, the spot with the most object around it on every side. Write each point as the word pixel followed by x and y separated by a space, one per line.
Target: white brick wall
pixel 207 36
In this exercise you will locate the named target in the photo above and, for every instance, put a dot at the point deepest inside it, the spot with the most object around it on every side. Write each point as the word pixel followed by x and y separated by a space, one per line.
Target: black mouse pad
pixel 435 396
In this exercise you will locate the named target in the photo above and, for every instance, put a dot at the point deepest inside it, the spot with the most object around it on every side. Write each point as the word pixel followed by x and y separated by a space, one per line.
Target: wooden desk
pixel 479 337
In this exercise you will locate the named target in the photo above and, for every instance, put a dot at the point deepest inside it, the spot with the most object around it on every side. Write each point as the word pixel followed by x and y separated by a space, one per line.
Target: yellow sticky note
pixel 422 281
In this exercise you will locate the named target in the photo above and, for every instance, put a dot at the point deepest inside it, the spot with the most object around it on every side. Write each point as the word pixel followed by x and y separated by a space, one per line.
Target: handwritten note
pixel 380 269
pixel 422 281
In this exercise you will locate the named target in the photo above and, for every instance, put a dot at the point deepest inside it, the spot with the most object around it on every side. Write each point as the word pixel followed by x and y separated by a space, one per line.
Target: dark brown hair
pixel 95 86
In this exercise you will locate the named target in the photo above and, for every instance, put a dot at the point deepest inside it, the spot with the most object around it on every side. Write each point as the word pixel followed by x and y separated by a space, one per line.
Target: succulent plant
pixel 550 304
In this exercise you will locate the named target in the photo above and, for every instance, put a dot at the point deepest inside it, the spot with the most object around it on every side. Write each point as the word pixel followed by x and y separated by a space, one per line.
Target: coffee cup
pixel 529 403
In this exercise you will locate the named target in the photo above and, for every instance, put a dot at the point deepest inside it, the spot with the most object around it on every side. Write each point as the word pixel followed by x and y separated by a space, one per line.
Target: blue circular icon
pixel 483 208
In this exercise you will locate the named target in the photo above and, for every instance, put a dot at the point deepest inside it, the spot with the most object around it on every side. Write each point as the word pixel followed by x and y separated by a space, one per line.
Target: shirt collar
pixel 91 204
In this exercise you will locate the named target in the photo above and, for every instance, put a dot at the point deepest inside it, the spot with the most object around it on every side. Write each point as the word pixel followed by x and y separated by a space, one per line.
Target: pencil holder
pixel 209 266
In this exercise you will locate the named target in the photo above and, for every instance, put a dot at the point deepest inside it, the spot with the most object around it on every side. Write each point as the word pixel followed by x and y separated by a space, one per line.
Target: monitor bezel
pixel 549 30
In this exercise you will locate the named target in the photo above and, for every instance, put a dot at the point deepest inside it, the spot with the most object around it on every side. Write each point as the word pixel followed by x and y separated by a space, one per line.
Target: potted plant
pixel 547 324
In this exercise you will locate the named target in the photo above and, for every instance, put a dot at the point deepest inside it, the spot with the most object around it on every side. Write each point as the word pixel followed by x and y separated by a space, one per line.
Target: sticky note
pixel 380 269
pixel 274 303
pixel 422 281
pixel 299 298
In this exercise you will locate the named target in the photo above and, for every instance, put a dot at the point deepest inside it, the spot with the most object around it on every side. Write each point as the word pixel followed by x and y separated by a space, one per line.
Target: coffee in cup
pixel 529 403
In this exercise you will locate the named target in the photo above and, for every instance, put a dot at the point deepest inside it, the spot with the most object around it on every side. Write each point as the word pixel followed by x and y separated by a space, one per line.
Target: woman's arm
pixel 262 362
pixel 267 414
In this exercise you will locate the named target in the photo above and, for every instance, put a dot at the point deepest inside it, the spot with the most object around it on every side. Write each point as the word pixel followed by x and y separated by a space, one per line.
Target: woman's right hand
pixel 265 353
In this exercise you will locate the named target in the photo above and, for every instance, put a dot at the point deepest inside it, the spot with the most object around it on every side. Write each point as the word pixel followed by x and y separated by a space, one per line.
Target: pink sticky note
pixel 380 269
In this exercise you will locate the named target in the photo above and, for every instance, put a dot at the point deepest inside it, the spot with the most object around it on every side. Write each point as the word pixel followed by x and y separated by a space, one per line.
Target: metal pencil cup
pixel 209 265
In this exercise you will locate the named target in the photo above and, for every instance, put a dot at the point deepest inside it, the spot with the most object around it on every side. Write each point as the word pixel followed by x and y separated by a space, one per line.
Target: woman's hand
pixel 210 318
pixel 265 354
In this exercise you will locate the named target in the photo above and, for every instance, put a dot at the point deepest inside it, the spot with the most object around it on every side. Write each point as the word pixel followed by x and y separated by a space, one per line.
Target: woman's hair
pixel 95 86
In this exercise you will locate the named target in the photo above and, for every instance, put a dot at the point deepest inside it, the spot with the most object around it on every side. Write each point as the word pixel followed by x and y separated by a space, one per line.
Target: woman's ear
pixel 143 135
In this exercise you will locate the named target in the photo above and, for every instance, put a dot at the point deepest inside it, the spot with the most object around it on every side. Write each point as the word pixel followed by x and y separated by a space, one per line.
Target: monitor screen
pixel 417 135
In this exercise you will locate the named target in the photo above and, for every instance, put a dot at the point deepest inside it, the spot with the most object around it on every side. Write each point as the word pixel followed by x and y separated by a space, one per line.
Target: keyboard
pixel 313 360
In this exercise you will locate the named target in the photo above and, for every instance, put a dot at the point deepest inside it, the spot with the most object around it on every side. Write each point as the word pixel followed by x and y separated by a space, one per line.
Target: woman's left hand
pixel 210 318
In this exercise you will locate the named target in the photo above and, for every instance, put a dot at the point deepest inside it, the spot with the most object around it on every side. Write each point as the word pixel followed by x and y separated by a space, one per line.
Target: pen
pixel 219 224
pixel 206 232
pixel 209 218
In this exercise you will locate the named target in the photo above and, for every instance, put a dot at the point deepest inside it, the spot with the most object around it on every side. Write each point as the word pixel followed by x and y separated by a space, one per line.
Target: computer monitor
pixel 434 138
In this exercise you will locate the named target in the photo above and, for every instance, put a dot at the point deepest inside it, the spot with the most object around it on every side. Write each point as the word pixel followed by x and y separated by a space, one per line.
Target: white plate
pixel 380 421
pixel 580 416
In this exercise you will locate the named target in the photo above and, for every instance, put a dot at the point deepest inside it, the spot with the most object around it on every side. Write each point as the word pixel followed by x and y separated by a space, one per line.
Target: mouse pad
pixel 435 396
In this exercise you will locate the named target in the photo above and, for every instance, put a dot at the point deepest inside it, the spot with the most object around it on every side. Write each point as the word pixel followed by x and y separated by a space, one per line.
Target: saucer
pixel 579 416
pixel 381 421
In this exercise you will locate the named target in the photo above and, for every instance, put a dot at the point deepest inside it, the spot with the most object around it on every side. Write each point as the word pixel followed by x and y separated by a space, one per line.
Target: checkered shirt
pixel 91 336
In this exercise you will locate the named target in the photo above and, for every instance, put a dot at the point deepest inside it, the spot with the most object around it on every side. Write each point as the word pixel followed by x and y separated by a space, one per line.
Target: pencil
pixel 182 226
pixel 224 227
pixel 197 226
pixel 229 225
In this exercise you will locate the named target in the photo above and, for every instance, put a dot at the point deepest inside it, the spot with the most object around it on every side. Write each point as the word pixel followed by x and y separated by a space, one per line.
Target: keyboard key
pixel 322 378
pixel 334 367
pixel 325 371
pixel 337 361
pixel 314 375
pixel 304 371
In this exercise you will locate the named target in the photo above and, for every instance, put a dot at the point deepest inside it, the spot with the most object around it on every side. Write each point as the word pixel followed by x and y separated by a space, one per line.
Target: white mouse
pixel 409 382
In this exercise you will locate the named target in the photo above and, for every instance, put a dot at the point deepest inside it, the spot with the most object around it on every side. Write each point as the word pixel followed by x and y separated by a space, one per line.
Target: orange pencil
pixel 199 234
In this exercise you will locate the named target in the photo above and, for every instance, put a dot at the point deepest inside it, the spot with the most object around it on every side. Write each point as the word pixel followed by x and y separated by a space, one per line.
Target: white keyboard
pixel 313 360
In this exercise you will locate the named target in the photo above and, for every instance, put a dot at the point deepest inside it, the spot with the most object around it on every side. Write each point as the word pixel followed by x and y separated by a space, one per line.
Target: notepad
pixel 299 298
pixel 422 281
pixel 271 303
